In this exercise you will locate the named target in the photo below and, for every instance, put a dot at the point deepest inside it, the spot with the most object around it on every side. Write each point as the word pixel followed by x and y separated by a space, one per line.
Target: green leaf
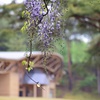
pixel 29 69
pixel 31 63
pixel 23 13
pixel 24 62
pixel 23 29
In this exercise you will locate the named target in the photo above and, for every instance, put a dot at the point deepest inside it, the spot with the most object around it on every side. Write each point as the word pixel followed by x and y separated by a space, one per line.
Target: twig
pixel 37 83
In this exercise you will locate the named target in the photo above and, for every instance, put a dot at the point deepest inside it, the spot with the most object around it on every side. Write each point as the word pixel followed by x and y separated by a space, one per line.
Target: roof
pixel 37 75
pixel 54 64
pixel 17 55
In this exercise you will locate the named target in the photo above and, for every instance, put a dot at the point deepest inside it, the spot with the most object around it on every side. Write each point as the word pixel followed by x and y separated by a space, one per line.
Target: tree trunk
pixel 98 80
pixel 69 65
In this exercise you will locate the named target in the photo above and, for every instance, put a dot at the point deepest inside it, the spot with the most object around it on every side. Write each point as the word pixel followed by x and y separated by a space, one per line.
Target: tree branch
pixel 89 22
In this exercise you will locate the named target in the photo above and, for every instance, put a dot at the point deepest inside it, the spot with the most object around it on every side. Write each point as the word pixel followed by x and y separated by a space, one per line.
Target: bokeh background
pixel 80 46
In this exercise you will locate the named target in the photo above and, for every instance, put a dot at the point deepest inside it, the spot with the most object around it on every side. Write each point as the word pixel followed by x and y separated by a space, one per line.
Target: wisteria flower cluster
pixel 42 23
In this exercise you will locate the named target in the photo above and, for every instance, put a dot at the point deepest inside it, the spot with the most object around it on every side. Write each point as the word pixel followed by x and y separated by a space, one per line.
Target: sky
pixel 9 1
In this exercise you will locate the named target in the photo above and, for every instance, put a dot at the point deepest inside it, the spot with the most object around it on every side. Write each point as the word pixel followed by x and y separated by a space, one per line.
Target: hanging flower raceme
pixel 42 24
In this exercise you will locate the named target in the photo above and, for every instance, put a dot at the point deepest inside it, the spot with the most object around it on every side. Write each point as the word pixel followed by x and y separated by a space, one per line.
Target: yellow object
pixel 38 85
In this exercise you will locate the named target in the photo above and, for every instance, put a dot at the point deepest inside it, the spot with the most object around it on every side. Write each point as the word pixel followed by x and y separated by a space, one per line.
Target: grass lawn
pixel 81 96
pixel 68 96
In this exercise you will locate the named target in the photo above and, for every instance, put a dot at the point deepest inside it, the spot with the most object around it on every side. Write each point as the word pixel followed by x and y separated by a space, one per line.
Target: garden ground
pixel 68 96
pixel 81 96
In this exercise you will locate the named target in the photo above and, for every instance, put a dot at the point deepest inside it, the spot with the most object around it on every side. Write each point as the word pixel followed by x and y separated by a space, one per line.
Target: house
pixel 39 82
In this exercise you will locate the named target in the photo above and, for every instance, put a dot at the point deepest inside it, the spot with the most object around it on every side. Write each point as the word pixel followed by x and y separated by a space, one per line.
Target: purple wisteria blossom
pixel 43 21
pixel 43 26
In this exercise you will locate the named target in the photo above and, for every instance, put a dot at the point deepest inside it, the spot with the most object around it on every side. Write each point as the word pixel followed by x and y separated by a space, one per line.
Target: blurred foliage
pixel 94 46
pixel 84 8
pixel 94 51
pixel 11 39
pixel 79 17
pixel 82 17
pixel 83 14
pixel 87 82
pixel 78 50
